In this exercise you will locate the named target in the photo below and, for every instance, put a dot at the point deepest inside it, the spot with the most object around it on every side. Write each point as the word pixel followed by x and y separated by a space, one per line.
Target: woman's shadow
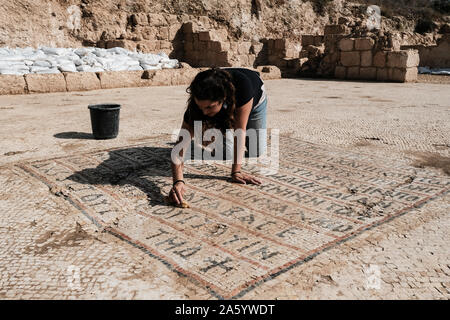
pixel 140 167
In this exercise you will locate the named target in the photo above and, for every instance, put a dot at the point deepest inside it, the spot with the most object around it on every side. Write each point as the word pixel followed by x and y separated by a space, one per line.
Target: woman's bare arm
pixel 177 166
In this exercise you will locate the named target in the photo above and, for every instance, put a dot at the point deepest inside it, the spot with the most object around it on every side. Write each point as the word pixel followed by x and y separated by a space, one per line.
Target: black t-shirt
pixel 247 84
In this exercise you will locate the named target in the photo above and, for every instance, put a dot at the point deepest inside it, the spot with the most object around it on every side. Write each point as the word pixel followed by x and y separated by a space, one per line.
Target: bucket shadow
pixel 139 167
pixel 73 135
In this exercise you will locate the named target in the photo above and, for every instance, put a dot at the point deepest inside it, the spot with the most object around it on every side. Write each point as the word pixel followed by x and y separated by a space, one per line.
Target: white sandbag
pixel 135 68
pixel 99 52
pixel 37 69
pixel 170 64
pixel 150 67
pixel 13 58
pixel 42 63
pixel 150 60
pixel 53 51
pixel 85 68
pixel 12 72
pixel 81 52
pixel 118 67
pixel 117 50
pixel 67 67
pixel 51 70
pixel 5 51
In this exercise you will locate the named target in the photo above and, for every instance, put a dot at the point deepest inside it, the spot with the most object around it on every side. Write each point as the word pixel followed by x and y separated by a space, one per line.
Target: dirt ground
pixel 55 246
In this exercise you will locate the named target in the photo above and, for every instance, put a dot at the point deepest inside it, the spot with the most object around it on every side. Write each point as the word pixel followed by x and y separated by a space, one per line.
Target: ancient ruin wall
pixel 436 56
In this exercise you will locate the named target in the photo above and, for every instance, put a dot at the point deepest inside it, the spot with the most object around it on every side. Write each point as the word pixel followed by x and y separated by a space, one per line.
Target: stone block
pixel 165 77
pixel 403 59
pixel 256 48
pixel 121 79
pixel 366 58
pixel 12 84
pixel 149 33
pixel 364 44
pixel 332 41
pixel 340 72
pixel 147 46
pixel 379 59
pixel 308 40
pixel 163 33
pixel 188 27
pixel 139 19
pixel 213 46
pixel 403 74
pixel 353 73
pixel 163 44
pixel 369 73
pixel 292 53
pixel 171 19
pixel 318 40
pixel 382 74
pixel 269 72
pixel 351 58
pixel 82 81
pixel 347 44
pixel 280 44
pixel 222 59
pixel 157 20
pixel 204 36
pixel 173 31
pixel 244 47
pixel 251 59
pixel 335 29
pixel 43 83
pixel 215 35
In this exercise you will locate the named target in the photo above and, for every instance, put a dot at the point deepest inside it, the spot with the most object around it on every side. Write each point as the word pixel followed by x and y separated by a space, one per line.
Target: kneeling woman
pixel 229 98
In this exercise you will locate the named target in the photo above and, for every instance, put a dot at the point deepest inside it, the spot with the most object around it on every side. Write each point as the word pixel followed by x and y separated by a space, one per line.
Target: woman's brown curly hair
pixel 216 85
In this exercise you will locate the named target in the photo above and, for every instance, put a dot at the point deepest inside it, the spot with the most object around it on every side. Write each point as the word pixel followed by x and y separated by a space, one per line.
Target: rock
pixel 364 44
pixel 347 44
pixel 382 74
pixel 44 83
pixel 10 84
pixel 340 72
pixel 403 59
pixel 368 73
pixel 269 72
pixel 350 59
pixel 379 59
pixel 366 58
pixel 121 79
pixel 403 74
pixel 353 73
pixel 82 81
pixel 335 29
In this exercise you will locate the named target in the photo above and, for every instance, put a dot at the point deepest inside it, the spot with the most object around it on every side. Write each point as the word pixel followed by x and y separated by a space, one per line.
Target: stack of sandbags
pixel 54 60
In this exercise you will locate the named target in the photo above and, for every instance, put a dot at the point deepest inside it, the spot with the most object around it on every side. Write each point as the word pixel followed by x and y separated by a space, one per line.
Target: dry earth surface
pixel 50 246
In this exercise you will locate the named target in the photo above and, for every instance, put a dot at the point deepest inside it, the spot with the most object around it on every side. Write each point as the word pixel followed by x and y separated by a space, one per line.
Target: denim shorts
pixel 256 144
pixel 256 140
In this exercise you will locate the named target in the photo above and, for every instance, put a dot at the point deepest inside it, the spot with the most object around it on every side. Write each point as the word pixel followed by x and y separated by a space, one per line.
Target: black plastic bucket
pixel 105 120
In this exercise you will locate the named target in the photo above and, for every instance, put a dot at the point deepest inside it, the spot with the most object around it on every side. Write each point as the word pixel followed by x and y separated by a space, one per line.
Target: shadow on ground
pixel 140 167
pixel 73 135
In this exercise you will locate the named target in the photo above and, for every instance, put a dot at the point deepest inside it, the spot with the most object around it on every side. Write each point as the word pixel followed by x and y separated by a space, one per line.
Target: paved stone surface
pixel 336 221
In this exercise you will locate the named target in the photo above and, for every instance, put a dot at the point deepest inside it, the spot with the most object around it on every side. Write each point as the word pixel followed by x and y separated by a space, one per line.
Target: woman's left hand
pixel 245 179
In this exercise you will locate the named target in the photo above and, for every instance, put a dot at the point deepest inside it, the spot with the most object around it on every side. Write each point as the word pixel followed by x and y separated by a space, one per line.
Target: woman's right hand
pixel 177 192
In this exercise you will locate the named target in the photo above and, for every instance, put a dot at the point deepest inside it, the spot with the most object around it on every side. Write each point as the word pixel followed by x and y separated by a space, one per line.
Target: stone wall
pixel 85 81
pixel 437 56
pixel 148 33
pixel 360 59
